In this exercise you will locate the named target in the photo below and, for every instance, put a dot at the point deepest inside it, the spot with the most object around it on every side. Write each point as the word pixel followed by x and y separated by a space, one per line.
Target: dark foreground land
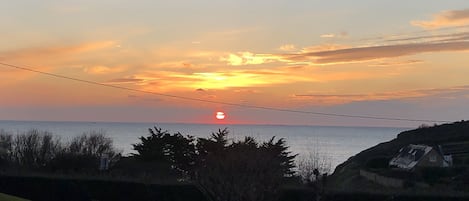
pixel 46 189
pixel 219 168
pixel 437 183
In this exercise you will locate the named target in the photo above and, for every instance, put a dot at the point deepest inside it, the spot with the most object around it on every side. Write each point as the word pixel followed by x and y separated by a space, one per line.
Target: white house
pixel 414 156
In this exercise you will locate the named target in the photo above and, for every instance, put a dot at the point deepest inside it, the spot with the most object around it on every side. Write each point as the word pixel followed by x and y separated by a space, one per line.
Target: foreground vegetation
pixel 40 151
pixel 172 166
pixel 219 168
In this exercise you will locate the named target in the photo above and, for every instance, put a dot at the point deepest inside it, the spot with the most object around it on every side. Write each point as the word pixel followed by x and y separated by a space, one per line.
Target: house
pixel 414 156
pixel 459 152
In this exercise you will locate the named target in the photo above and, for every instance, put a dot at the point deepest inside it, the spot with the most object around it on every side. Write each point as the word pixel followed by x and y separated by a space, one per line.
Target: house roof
pixel 410 156
pixel 456 148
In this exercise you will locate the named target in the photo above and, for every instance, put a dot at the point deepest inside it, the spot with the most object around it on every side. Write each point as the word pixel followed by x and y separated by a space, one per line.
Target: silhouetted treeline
pixel 36 150
pixel 220 168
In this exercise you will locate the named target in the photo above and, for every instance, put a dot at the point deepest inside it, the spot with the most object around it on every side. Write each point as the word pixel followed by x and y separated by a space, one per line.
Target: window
pixel 433 158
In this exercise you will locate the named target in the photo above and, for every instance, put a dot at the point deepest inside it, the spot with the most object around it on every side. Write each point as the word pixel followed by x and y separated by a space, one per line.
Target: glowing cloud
pixel 248 58
pixel 100 70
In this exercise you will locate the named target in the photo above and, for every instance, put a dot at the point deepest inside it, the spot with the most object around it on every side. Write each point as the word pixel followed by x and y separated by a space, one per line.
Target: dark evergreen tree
pixel 174 149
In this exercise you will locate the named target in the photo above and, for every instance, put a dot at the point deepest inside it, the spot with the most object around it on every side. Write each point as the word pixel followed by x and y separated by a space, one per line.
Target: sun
pixel 220 115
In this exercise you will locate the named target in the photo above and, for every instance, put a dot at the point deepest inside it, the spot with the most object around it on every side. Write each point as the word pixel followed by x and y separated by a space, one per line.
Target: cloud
pixel 324 47
pixel 360 54
pixel 287 47
pixel 100 70
pixel 248 58
pixel 396 63
pixel 164 81
pixel 334 99
pixel 330 54
pixel 432 38
pixel 39 53
pixel 448 18
pixel 124 81
pixel 333 35
pixel 327 36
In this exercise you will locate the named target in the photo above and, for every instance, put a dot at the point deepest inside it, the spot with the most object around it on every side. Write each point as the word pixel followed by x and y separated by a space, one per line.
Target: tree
pixel 243 170
pixel 174 149
pixel 238 171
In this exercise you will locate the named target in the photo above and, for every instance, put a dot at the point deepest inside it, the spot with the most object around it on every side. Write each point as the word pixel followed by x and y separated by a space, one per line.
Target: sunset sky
pixel 396 59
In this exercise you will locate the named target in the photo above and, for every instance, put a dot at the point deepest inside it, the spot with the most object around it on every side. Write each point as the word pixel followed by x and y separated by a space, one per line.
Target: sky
pixel 392 59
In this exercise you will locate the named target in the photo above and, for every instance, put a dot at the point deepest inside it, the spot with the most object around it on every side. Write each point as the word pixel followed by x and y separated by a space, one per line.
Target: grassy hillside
pixel 347 172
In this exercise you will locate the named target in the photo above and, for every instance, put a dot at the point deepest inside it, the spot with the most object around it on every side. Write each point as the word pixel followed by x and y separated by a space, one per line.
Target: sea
pixel 332 143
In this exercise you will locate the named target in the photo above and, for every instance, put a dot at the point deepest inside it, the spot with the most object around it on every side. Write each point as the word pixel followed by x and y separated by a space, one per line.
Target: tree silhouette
pixel 161 146
pixel 242 170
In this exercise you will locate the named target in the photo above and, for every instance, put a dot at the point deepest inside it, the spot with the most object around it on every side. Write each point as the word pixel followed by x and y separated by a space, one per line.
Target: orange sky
pixel 400 60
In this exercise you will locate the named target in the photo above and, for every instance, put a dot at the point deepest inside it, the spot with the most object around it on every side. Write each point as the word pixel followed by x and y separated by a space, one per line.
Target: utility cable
pixel 220 102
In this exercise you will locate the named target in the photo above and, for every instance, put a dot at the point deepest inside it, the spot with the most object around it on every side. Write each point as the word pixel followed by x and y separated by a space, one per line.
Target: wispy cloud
pixel 359 54
pixel 287 47
pixel 102 70
pixel 445 37
pixel 396 63
pixel 124 81
pixel 334 35
pixel 445 19
pixel 334 99
pixel 58 53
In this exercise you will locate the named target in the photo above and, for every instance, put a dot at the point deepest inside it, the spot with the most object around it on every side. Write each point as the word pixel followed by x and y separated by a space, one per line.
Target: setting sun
pixel 220 115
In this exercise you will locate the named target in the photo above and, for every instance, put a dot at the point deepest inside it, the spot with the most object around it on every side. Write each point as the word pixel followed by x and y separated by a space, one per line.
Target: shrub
pixel 34 149
pixel 83 153
pixel 312 165
pixel 40 150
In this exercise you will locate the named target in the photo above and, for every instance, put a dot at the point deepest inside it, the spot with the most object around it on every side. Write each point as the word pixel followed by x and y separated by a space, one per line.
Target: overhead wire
pixel 30 69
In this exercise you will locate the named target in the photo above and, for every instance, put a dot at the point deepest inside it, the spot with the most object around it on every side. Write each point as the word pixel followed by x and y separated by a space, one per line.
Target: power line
pixel 220 102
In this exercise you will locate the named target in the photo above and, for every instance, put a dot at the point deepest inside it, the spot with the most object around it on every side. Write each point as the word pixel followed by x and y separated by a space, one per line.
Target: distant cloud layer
pixel 376 52
pixel 392 95
pixel 333 54
pixel 445 19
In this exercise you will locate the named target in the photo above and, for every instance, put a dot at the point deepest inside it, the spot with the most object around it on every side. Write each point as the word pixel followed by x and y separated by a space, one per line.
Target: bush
pixel 313 165
pixel 32 149
pixel 83 153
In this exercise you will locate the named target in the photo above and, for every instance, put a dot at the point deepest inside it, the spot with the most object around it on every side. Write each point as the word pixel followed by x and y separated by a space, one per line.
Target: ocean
pixel 336 144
